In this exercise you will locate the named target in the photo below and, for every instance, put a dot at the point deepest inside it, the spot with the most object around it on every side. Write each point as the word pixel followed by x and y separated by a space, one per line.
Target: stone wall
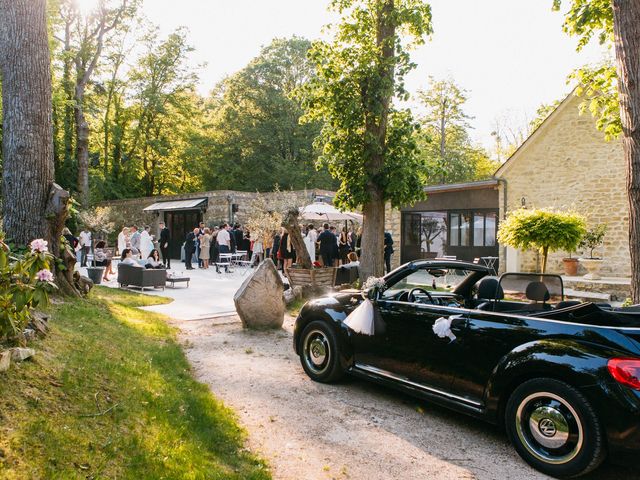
pixel 392 224
pixel 567 164
pixel 130 211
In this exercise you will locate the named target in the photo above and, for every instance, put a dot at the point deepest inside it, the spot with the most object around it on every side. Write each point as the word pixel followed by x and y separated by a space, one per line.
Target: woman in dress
pixel 205 248
pixel 286 251
pixel 310 241
pixel 154 261
pixel 122 239
pixel 127 258
pixel 257 251
pixel 344 246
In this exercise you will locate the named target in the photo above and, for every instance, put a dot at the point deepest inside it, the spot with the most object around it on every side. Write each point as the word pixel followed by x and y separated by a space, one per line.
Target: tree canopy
pixel 445 144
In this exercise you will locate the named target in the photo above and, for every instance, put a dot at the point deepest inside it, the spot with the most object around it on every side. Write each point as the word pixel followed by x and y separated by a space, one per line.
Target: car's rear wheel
pixel 319 353
pixel 554 428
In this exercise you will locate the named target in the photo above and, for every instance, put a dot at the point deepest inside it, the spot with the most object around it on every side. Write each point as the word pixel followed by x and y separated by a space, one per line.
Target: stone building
pixel 567 164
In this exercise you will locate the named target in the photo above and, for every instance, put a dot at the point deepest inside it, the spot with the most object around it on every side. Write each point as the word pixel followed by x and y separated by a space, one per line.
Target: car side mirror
pixel 372 293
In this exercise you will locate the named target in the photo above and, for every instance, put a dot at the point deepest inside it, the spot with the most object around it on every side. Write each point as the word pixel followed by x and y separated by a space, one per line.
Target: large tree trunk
pixel 292 224
pixel 27 124
pixel 626 14
pixel 372 261
pixel 82 147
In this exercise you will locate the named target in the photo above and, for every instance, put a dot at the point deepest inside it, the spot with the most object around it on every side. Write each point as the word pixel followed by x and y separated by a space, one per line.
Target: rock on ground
pixel 259 301
pixel 5 360
pixel 21 354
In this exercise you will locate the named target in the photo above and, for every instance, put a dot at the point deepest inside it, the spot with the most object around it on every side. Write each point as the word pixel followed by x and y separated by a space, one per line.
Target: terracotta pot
pixel 593 267
pixel 570 266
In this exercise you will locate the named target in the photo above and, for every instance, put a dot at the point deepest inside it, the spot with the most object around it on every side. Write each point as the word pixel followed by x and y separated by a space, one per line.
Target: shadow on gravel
pixel 477 428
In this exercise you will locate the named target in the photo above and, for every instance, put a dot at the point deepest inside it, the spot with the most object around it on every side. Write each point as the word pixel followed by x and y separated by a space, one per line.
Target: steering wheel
pixel 411 297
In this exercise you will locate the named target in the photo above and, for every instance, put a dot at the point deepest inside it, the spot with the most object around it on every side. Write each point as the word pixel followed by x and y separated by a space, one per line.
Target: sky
pixel 510 56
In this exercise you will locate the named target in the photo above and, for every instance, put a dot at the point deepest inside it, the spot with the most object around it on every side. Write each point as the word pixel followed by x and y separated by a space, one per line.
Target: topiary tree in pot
pixel 592 239
pixel 543 229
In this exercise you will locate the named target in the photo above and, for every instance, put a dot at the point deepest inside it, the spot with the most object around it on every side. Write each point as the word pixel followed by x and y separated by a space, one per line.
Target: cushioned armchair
pixel 131 276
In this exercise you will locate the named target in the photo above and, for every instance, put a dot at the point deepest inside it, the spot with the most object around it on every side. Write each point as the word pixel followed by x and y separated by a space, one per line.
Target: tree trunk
pixel 626 15
pixel 372 261
pixel 82 147
pixel 27 124
pixel 292 224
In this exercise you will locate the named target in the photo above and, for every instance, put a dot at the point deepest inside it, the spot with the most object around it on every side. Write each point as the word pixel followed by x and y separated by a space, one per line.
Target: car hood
pixel 343 301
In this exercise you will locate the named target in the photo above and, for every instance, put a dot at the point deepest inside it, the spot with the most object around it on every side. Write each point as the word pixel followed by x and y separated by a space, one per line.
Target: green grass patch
pixel 294 307
pixel 110 394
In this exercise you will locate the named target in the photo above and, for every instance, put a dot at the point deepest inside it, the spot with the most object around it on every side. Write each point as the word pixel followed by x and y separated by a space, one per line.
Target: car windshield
pixel 431 279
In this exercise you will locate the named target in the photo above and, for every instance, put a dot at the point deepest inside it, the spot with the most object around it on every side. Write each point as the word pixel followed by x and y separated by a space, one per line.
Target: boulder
pixel 292 294
pixel 5 360
pixel 259 300
pixel 21 354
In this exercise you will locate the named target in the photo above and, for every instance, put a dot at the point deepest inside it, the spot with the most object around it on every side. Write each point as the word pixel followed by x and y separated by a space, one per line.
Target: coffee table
pixel 174 280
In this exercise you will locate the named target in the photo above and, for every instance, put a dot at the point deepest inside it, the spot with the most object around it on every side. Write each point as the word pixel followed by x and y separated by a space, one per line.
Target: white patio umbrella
pixel 326 212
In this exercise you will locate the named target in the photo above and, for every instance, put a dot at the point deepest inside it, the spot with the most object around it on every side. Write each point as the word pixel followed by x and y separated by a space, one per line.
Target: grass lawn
pixel 110 395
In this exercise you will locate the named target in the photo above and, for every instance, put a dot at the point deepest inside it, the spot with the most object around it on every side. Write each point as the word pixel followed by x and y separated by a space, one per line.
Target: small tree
pixel 593 238
pixel 545 230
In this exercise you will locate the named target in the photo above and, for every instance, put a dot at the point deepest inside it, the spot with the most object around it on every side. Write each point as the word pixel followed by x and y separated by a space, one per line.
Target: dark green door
pixel 180 223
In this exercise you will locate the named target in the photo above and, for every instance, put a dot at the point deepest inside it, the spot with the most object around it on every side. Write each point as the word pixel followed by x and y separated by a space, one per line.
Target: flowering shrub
pixel 25 282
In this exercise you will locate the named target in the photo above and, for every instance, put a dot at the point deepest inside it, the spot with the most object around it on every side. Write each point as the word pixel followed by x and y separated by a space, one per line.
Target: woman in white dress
pixel 122 240
pixel 146 243
pixel 310 241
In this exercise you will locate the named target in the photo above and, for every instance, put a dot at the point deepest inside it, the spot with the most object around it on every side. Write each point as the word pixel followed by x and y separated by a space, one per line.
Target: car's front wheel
pixel 319 353
pixel 554 428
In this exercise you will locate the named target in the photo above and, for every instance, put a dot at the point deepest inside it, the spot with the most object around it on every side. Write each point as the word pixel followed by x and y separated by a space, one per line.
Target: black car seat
pixel 538 292
pixel 489 292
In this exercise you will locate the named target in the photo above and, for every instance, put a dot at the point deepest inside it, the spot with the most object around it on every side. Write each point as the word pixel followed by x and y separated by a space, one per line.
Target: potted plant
pixel 543 229
pixel 591 240
pixel 570 265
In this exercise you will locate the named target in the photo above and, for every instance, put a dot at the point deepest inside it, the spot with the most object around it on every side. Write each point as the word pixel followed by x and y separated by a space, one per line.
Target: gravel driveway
pixel 352 430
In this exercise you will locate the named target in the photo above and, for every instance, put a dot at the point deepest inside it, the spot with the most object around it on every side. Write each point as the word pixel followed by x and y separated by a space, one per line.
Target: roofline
pixel 536 133
pixel 456 187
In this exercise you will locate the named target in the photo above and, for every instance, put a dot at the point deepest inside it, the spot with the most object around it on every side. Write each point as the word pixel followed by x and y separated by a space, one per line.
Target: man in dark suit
pixel 190 247
pixel 165 238
pixel 236 237
pixel 328 245
pixel 388 250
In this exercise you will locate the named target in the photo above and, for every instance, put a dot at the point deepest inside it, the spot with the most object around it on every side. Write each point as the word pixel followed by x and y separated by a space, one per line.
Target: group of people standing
pixel 203 244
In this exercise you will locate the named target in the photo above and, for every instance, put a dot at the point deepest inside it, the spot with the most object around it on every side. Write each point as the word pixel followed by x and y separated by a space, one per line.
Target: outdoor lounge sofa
pixel 130 276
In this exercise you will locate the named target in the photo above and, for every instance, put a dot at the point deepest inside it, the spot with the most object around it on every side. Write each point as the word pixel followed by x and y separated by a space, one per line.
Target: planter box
pixel 316 277
pixel 95 274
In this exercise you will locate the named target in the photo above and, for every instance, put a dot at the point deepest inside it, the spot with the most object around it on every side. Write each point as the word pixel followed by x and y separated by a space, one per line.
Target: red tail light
pixel 625 371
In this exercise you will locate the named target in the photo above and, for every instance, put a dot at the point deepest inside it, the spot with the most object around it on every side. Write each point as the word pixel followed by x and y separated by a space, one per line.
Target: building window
pixel 460 232
pixel 484 229
pixel 472 229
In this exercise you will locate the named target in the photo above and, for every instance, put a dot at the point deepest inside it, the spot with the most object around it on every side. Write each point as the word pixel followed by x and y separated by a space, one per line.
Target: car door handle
pixel 459 323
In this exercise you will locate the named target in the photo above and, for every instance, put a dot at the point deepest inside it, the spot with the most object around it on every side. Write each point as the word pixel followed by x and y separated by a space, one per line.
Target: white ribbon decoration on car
pixel 442 328
pixel 362 319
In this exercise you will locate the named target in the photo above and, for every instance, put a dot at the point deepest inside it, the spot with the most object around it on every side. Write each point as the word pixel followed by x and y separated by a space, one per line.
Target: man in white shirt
pixel 224 242
pixel 85 246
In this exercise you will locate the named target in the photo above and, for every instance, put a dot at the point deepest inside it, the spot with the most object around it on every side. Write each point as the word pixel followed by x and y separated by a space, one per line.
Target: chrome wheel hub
pixel 316 351
pixel 549 428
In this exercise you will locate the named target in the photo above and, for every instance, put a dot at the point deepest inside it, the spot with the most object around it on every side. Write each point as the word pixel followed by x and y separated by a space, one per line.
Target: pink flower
pixel 44 275
pixel 39 245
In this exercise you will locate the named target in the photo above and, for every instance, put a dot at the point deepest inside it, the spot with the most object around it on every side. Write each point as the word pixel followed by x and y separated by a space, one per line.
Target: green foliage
pixel 597 84
pixel 542 113
pixel 25 280
pixel 357 76
pixel 445 145
pixel 593 238
pixel 110 394
pixel 253 138
pixel 542 229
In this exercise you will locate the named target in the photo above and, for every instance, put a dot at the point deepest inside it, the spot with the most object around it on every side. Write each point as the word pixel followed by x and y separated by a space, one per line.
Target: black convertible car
pixel 563 377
